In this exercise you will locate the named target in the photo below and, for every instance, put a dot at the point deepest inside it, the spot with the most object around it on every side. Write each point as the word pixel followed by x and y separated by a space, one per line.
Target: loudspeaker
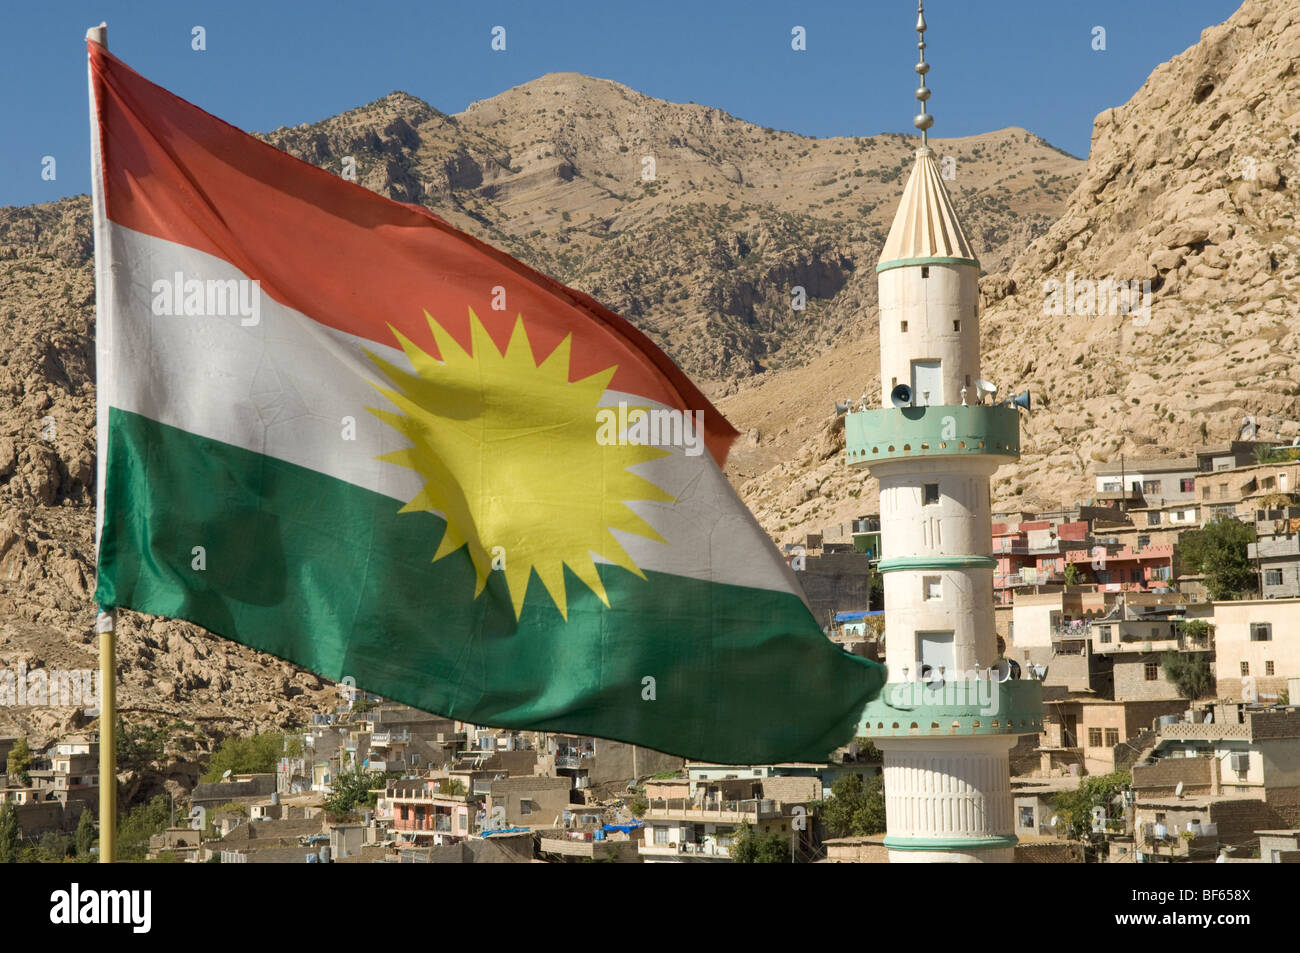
pixel 1021 400
pixel 901 396
pixel 841 408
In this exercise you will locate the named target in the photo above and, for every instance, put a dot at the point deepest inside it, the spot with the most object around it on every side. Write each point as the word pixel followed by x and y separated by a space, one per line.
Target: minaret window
pixel 932 587
pixel 925 271
pixel 903 325
pixel 930 494
pixel 956 325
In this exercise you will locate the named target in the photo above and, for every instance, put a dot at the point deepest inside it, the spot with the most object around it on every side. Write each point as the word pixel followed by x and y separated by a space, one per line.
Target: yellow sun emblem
pixel 508 453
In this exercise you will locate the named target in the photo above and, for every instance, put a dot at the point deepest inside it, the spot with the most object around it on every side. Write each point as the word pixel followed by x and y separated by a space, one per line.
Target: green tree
pixel 85 837
pixel 19 760
pixel 352 790
pixel 9 834
pixel 142 822
pixel 258 754
pixel 1076 807
pixel 855 809
pixel 1073 576
pixel 1218 551
pixel 749 846
pixel 1190 672
pixel 138 746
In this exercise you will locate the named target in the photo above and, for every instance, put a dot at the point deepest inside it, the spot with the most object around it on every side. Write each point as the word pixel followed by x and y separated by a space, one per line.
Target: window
pixel 1104 633
pixel 1152 671
pixel 661 835
pixel 1205 492
pixel 1261 632
pixel 930 494
pixel 1245 669
pixel 1223 490
pixel 1112 737
pixel 1094 737
pixel 1161 572
pixel 903 326
pixel 1272 577
pixel 1187 485
pixel 1151 486
pixel 1153 518
pixel 1144 542
pixel 932 587
pixel 956 325
pixel 1268 668
pixel 925 271
pixel 1026 817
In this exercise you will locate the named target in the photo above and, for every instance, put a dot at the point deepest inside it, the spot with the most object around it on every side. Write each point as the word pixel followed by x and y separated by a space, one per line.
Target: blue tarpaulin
pixel 624 828
pixel 857 615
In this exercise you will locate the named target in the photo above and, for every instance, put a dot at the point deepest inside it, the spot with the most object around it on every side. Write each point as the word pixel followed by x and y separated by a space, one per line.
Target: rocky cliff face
pixel 1190 192
pixel 696 225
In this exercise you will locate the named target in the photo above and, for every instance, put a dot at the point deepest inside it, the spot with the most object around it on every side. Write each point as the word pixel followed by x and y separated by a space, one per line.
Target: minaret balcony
pixel 931 431
pixel 980 706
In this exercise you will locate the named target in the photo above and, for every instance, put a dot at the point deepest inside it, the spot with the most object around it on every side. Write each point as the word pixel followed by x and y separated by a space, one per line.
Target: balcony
pixel 684 851
pixel 977 707
pixel 751 810
pixel 1008 580
pixel 934 431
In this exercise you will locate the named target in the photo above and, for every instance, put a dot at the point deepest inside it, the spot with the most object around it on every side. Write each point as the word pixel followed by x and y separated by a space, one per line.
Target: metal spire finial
pixel 923 120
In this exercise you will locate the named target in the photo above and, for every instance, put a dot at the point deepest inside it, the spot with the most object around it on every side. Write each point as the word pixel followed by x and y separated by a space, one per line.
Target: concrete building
pixel 700 826
pixel 1241 761
pixel 1276 551
pixel 933 444
pixel 1257 647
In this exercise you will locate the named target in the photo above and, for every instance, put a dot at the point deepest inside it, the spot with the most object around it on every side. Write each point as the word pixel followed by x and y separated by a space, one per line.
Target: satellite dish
pixel 1248 428
pixel 227 774
pixel 1055 821
pixel 901 396
pixel 984 389
pixel 841 408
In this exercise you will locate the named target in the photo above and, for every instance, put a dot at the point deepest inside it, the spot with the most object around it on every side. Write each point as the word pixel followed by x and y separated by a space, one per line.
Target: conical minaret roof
pixel 925 229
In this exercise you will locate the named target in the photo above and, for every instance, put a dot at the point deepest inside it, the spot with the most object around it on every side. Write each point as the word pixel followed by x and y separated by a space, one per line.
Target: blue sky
pixel 996 63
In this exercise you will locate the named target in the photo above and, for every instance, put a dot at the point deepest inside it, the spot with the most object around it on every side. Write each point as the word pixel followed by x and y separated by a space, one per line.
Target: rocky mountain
pixel 695 224
pixel 1190 191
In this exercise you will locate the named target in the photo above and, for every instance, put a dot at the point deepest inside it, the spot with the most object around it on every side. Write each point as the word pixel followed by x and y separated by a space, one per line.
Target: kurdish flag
pixel 338 430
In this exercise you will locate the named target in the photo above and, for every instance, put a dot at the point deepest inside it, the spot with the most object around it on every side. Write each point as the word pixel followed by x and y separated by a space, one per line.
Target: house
pixel 1230 751
pixel 1099 735
pixel 833 576
pixel 591 763
pixel 1154 481
pixel 1033 553
pixel 424 811
pixel 1276 551
pixel 681 826
pixel 1033 804
pixel 1279 847
pixel 529 802
pixel 1257 647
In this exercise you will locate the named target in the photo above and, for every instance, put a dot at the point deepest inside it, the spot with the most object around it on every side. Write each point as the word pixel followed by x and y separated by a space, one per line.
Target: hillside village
pixel 1148 563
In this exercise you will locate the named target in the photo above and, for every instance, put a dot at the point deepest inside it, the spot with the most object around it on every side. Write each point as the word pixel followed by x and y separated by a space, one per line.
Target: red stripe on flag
pixel 341 254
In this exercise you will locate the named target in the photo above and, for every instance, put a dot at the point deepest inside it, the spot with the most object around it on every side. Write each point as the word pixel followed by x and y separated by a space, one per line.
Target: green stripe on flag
pixel 331 577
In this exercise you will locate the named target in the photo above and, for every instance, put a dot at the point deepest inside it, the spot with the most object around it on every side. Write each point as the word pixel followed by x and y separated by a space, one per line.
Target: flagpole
pixel 105 618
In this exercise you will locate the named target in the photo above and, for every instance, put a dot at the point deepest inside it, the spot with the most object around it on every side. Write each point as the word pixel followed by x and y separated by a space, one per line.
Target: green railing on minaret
pixel 982 706
pixel 931 431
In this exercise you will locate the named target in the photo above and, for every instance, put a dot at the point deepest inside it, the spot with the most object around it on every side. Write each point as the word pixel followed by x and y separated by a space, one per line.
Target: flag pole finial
pixel 923 119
